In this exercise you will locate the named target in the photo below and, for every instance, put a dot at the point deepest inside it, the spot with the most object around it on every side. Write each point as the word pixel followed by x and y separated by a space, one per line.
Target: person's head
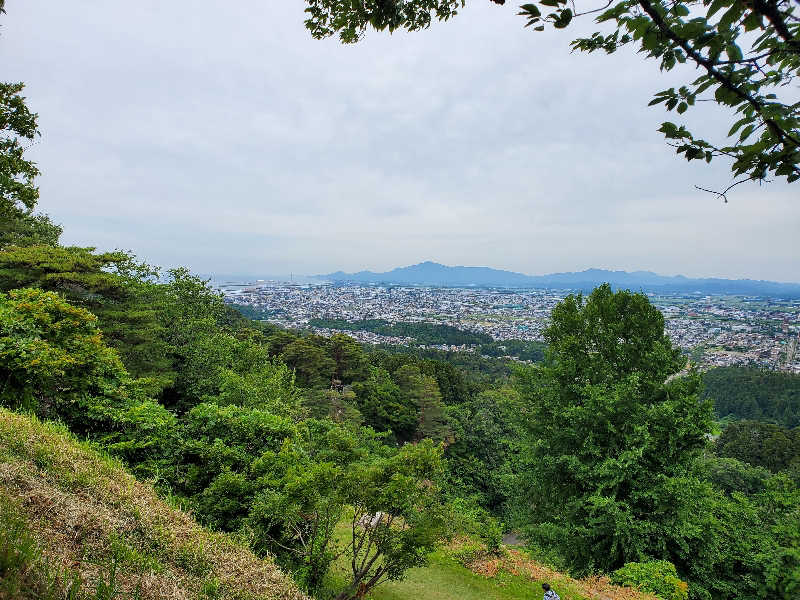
pixel 546 587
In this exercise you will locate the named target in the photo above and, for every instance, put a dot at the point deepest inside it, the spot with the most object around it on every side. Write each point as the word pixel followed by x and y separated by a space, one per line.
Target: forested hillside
pixel 349 467
pixel 756 394
pixel 422 333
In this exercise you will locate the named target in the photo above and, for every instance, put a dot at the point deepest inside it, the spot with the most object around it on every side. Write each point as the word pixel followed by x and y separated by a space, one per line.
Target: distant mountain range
pixel 431 273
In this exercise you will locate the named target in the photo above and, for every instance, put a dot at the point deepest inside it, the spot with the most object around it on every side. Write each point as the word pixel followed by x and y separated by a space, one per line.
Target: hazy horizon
pixel 316 276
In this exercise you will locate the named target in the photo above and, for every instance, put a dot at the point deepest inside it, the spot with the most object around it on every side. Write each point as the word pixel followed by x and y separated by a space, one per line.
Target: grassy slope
pixel 80 514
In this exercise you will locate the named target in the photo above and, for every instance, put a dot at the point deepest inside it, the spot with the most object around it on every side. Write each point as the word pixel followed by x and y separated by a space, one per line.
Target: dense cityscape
pixel 713 330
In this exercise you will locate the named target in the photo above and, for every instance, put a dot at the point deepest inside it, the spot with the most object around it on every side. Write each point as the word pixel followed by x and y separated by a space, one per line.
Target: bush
pixel 657 577
pixel 469 518
pixel 469 552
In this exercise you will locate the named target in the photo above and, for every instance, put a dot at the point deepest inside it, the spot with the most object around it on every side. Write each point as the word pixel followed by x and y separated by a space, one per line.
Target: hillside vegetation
pixel 75 524
pixel 73 519
pixel 754 394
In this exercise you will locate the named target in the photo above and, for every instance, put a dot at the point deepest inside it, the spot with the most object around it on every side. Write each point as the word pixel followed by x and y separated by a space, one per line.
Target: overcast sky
pixel 222 137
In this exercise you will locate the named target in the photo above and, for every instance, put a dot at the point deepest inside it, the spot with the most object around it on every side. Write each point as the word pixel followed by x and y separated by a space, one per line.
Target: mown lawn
pixel 445 579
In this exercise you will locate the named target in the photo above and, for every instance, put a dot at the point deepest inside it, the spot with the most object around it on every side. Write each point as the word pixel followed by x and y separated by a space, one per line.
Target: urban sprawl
pixel 713 330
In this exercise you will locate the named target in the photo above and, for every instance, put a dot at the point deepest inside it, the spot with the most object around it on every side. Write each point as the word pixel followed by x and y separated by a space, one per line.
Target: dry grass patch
pixel 90 517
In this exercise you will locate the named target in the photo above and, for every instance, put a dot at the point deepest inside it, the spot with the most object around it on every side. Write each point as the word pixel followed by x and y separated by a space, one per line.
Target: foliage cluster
pixel 612 462
pixel 430 334
pixel 657 577
pixel 18 190
pixel 754 394
pixel 762 445
pixel 479 371
pixel 524 350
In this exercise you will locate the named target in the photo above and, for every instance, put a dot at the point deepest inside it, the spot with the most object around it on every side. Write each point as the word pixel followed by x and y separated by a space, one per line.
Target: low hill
pixel 73 519
pixel 435 274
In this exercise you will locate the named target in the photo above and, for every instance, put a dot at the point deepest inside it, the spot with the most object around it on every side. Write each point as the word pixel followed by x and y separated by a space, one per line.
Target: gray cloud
pixel 230 141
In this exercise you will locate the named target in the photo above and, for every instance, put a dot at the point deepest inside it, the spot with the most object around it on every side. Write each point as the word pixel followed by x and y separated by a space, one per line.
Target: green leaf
pixel 682 108
pixel 725 96
pixel 734 52
pixel 746 132
pixel 753 21
pixel 613 13
pixel 731 15
pixel 715 6
pixel 531 10
pixel 563 19
pixel 737 125
pixel 550 2
pixel 704 86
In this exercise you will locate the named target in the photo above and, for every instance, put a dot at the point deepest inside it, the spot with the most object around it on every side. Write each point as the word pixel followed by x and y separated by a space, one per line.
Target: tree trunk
pixel 348 595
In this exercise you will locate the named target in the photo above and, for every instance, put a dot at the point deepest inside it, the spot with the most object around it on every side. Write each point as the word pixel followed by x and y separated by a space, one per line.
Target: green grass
pixel 445 579
pixel 515 576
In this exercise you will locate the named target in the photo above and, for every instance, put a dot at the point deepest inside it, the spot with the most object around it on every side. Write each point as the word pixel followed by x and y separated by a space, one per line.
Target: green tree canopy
pixel 482 456
pixel 384 406
pixel 602 339
pixel 422 392
pixel 312 365
pixel 731 475
pixel 747 54
pixel 120 291
pixel 18 191
pixel 54 361
pixel 755 394
pixel 761 445
pixel 51 351
pixel 398 516
pixel 351 362
pixel 611 443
